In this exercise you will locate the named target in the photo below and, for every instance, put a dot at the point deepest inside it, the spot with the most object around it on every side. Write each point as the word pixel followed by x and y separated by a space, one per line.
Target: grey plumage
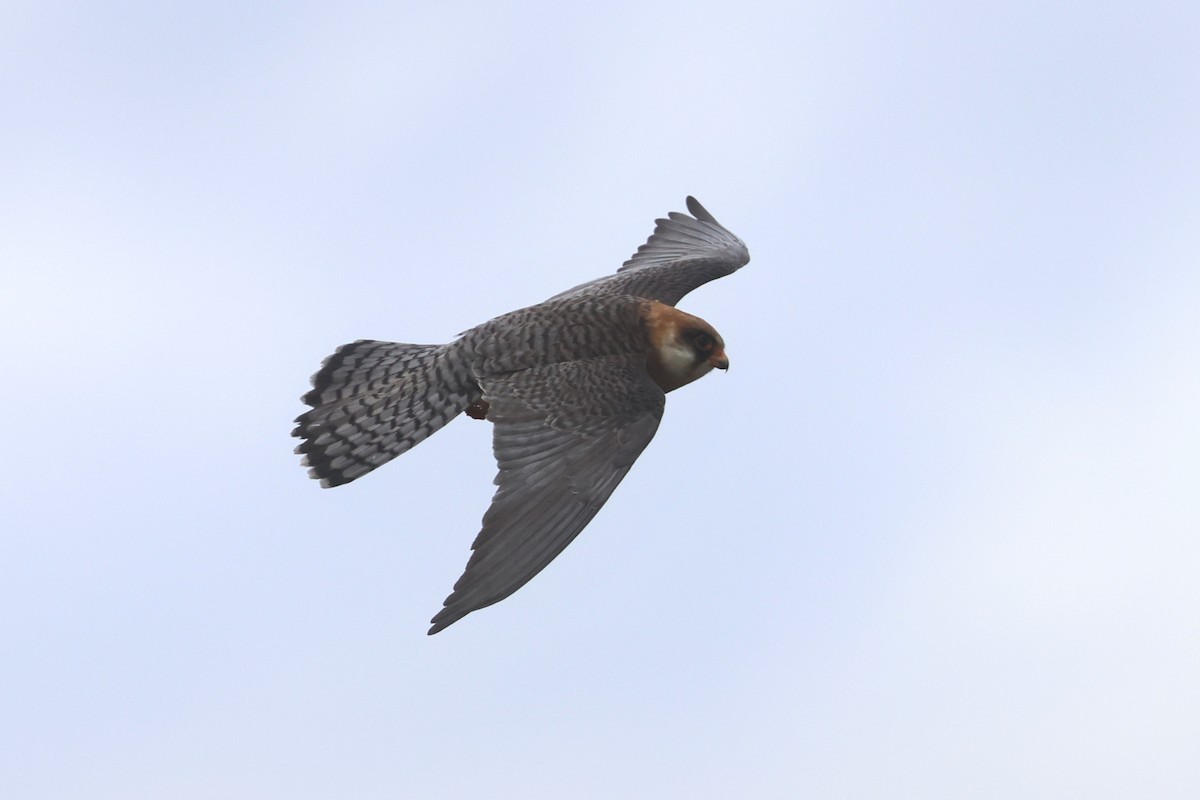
pixel 565 435
pixel 681 255
pixel 373 401
pixel 565 383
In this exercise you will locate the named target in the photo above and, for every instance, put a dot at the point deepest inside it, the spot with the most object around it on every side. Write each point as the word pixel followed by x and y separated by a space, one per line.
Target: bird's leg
pixel 478 409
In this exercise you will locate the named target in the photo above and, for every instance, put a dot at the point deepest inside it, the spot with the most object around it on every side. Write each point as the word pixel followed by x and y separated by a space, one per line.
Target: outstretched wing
pixel 565 435
pixel 683 253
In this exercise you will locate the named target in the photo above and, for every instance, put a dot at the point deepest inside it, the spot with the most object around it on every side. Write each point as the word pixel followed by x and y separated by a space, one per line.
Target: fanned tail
pixel 373 401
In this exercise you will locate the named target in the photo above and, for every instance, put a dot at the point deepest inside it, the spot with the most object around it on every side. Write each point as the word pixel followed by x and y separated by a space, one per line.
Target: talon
pixel 478 409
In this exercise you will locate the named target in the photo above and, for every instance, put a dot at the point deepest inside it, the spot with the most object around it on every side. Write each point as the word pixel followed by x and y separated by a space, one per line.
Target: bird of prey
pixel 574 387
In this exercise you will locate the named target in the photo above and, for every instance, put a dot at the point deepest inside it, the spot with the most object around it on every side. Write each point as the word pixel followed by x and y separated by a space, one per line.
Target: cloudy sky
pixel 935 535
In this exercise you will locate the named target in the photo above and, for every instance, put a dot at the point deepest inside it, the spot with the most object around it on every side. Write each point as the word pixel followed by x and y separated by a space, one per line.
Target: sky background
pixel 935 535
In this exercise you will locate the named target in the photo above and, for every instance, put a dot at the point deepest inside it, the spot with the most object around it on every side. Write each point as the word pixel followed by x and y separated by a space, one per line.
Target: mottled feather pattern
pixel 574 388
pixel 566 434
pixel 373 401
pixel 555 331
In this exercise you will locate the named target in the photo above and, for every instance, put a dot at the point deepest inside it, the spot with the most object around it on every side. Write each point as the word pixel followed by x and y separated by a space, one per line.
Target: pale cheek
pixel 678 362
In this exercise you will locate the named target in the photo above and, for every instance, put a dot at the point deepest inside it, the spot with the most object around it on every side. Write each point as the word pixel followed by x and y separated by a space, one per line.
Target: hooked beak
pixel 720 360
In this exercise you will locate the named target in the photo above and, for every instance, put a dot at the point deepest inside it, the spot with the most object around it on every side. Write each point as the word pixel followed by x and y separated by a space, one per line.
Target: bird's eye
pixel 704 341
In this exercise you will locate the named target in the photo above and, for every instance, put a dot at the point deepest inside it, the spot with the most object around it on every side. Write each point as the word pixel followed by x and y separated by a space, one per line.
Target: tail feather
pixel 372 401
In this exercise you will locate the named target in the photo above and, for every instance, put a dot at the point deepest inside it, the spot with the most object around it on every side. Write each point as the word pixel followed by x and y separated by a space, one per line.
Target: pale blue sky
pixel 935 535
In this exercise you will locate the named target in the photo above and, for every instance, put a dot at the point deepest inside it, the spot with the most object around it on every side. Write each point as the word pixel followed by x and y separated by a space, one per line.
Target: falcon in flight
pixel 574 387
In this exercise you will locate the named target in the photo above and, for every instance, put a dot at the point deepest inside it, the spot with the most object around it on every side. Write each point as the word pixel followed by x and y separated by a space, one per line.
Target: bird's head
pixel 682 347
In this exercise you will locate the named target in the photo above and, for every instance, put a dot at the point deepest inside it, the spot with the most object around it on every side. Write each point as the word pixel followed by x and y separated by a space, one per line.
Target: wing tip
pixel 698 211
pixel 445 618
